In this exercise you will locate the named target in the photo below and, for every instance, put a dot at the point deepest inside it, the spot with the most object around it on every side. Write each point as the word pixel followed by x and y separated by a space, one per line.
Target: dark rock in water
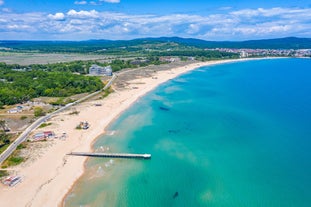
pixel 173 131
pixel 164 108
pixel 175 195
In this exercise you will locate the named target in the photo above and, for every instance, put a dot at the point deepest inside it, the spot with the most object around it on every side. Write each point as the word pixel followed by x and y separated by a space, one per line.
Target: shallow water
pixel 235 134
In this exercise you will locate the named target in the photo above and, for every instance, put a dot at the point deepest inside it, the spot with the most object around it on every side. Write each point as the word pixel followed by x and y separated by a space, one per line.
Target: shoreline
pixel 48 180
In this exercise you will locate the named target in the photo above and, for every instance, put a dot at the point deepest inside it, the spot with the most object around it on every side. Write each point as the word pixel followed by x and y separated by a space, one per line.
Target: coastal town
pixel 244 53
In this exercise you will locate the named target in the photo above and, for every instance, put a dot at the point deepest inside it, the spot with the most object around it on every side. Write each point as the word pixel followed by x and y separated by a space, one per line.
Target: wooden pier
pixel 112 155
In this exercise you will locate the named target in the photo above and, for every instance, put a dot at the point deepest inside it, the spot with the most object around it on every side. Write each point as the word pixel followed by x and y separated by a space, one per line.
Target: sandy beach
pixel 47 179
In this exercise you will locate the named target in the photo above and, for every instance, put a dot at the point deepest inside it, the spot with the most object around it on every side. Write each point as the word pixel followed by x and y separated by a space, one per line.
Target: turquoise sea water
pixel 235 134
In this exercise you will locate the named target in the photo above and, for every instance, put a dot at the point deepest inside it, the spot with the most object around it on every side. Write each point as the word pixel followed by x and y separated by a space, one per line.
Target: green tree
pixel 2 125
pixel 38 111
pixel 4 138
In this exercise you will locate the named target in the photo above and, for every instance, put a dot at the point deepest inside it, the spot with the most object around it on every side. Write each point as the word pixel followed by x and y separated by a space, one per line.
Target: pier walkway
pixel 113 155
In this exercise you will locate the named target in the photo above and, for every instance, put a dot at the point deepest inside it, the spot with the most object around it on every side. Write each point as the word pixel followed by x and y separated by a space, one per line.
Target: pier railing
pixel 112 155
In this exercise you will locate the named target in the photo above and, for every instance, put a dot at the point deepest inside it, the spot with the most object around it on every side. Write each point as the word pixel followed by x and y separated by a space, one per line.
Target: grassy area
pixel 23 117
pixel 62 101
pixel 45 58
pixel 13 160
pixel 5 140
pixel 44 125
pixel 21 146
pixel 107 92
pixel 3 173
pixel 4 147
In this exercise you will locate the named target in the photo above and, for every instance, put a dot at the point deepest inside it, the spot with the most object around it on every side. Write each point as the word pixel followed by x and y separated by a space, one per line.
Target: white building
pixel 243 54
pixel 98 70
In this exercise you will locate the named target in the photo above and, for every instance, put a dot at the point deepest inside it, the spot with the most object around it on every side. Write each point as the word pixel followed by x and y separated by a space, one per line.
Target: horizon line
pixel 141 38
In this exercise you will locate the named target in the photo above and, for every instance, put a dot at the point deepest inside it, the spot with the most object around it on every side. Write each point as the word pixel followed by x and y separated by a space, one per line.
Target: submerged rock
pixel 164 108
pixel 175 195
pixel 173 131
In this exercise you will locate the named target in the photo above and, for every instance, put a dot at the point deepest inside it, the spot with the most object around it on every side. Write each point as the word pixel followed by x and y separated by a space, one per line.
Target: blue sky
pixel 129 19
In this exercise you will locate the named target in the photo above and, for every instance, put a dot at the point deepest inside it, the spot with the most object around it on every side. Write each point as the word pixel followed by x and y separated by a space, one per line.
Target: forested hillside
pixel 145 45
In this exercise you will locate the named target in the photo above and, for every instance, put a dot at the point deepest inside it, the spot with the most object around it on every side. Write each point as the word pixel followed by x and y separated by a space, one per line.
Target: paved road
pixel 38 122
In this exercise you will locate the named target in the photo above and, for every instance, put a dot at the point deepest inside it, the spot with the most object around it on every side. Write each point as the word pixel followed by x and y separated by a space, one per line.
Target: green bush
pixel 15 160
pixel 38 111
pixel 44 125
pixel 3 173
pixel 23 117
pixel 74 113
pixel 21 146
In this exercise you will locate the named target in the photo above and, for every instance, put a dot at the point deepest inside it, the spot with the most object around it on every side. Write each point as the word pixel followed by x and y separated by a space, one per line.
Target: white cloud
pixel 82 13
pixel 93 3
pixel 58 16
pixel 277 11
pixel 1 2
pixel 234 25
pixel 111 1
pixel 18 27
pixel 193 28
pixel 80 2
pixel 6 10
pixel 225 8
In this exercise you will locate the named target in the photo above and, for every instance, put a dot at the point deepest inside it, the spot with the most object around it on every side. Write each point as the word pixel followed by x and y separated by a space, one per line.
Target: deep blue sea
pixel 235 134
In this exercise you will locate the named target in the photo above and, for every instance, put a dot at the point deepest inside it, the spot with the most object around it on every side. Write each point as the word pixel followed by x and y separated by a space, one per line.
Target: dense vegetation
pixel 140 46
pixel 20 86
pixel 198 54
pixel 279 43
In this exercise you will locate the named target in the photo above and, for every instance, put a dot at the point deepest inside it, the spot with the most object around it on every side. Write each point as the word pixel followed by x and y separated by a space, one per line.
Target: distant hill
pixel 279 43
pixel 152 43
